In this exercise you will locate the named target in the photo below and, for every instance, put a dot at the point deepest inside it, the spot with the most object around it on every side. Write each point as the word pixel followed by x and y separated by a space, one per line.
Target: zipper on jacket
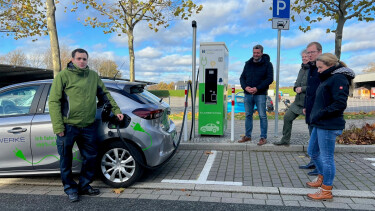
pixel 67 115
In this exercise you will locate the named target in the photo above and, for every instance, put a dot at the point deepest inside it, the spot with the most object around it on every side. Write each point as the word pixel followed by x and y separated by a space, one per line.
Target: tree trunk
pixel 338 33
pixel 131 54
pixel 52 31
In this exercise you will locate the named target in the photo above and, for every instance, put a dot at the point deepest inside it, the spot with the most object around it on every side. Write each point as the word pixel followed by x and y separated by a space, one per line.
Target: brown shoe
pixel 317 182
pixel 262 141
pixel 324 193
pixel 244 139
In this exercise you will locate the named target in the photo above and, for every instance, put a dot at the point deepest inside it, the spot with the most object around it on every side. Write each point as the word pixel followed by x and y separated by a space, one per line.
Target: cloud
pixel 301 39
pixel 148 52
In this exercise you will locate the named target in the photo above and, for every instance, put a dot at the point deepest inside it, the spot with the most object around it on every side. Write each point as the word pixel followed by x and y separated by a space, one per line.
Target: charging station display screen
pixel 211 86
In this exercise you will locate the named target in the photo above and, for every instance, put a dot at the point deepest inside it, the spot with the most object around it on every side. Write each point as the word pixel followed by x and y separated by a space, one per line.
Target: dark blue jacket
pixel 257 74
pixel 331 97
pixel 313 82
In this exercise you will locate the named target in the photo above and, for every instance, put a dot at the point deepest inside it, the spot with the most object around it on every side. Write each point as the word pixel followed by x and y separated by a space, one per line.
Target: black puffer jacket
pixel 331 97
pixel 257 74
pixel 313 82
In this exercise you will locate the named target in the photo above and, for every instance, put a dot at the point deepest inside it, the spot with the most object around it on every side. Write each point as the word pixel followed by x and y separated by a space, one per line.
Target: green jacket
pixel 73 95
pixel 297 105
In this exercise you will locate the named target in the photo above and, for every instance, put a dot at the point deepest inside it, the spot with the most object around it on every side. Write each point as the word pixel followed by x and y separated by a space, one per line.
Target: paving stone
pixel 109 195
pixel 180 193
pixel 162 192
pixel 188 198
pixel 274 202
pixel 363 201
pixel 129 195
pixel 242 195
pixel 336 205
pixel 362 206
pixel 39 192
pixel 255 201
pixel 143 191
pixel 54 192
pixel 221 194
pixel 200 193
pixel 232 200
pixel 311 204
pixel 342 200
pixel 273 197
pixel 149 196
pixel 292 203
pixel 168 197
pixel 260 196
pixel 129 190
pixel 292 198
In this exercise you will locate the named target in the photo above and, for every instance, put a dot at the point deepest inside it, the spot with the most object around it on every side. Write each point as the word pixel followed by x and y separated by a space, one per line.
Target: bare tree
pixel 16 57
pixel 105 67
pixel 65 56
pixel 370 68
pixel 36 60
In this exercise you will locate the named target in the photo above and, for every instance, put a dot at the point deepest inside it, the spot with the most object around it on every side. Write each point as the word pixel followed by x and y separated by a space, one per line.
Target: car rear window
pixel 146 97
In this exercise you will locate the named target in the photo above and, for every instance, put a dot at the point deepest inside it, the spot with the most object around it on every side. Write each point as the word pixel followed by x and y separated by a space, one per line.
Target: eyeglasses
pixel 79 58
pixel 311 52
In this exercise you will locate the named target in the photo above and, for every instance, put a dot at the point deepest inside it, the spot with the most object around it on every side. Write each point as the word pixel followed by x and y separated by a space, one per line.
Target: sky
pixel 166 56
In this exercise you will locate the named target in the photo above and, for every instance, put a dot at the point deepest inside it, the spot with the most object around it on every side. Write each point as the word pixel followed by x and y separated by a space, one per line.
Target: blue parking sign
pixel 281 8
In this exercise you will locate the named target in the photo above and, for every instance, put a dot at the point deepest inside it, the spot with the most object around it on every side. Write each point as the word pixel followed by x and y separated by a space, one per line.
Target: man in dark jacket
pixel 314 50
pixel 255 79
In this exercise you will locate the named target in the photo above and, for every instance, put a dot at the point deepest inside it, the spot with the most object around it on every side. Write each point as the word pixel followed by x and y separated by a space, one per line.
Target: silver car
pixel 28 144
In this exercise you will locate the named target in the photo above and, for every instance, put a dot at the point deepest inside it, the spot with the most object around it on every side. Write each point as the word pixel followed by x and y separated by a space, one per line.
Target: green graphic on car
pixel 18 153
pixel 139 128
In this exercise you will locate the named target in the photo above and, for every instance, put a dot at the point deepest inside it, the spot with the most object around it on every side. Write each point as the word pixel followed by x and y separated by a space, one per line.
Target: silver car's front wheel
pixel 118 167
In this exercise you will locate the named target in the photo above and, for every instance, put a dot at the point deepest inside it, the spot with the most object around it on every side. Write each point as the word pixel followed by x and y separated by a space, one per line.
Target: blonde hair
pixel 329 60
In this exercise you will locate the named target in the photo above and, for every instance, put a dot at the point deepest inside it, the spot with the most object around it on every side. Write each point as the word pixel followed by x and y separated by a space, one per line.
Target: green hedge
pixel 160 93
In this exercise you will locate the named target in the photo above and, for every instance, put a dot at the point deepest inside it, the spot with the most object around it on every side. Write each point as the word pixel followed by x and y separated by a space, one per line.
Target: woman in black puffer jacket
pixel 327 120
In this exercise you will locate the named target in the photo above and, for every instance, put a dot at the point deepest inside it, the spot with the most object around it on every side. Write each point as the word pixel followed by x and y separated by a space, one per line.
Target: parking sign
pixel 281 9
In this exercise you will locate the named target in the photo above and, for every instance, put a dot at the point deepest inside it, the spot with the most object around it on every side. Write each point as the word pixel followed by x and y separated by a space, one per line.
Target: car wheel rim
pixel 118 165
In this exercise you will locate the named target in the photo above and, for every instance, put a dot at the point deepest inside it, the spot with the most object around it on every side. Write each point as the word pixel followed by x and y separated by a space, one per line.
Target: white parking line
pixel 371 159
pixel 202 179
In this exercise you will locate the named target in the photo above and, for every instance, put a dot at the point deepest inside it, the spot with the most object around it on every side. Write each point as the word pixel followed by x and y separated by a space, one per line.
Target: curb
pixel 204 187
pixel 271 148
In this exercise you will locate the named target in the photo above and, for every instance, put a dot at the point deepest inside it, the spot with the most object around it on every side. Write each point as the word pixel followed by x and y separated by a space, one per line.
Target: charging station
pixel 213 88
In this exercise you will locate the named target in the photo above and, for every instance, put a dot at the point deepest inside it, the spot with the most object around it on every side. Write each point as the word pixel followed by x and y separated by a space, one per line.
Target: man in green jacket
pixel 297 106
pixel 72 104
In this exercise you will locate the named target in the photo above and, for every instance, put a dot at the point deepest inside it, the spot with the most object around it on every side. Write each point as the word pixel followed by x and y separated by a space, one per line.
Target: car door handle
pixel 17 130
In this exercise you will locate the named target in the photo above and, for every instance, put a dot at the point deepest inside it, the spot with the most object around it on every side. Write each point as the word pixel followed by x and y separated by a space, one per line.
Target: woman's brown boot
pixel 317 182
pixel 324 193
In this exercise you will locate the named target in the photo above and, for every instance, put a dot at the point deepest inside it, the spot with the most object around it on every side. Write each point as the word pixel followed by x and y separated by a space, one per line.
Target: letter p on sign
pixel 281 8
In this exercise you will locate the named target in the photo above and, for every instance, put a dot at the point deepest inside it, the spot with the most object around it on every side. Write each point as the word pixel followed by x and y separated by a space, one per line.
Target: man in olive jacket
pixel 72 105
pixel 255 79
pixel 297 106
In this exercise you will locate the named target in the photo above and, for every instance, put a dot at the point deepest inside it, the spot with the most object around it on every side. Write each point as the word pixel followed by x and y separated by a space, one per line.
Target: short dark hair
pixel 79 50
pixel 317 45
pixel 258 47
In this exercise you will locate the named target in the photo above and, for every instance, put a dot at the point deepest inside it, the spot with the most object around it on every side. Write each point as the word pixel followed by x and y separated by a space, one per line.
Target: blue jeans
pixel 260 102
pixel 321 150
pixel 87 147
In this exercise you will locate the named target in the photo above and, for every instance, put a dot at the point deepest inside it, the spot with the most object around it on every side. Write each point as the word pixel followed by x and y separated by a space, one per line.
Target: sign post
pixel 280 21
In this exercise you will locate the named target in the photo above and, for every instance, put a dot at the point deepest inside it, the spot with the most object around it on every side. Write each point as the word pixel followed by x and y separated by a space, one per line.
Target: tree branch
pixel 126 13
pixel 360 10
pixel 326 5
